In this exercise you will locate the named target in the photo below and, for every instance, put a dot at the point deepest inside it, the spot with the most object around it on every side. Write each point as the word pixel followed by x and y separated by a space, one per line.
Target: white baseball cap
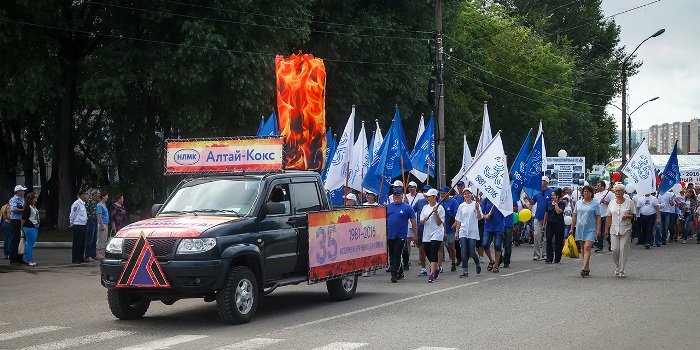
pixel 397 183
pixel 544 178
pixel 20 188
pixel 370 192
pixel 432 192
pixel 412 183
pixel 351 196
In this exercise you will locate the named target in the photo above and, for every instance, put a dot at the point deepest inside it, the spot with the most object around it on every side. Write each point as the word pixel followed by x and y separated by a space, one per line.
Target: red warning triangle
pixel 142 269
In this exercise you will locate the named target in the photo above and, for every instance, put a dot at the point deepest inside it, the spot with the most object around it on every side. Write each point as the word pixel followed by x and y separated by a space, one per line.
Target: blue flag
pixel 270 128
pixel 672 173
pixel 423 156
pixel 533 170
pixel 336 196
pixel 517 170
pixel 387 164
pixel 260 127
pixel 330 149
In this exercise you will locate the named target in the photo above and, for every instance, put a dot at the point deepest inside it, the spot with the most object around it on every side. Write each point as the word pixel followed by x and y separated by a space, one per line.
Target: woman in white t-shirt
pixel 467 226
pixel 618 227
pixel 432 217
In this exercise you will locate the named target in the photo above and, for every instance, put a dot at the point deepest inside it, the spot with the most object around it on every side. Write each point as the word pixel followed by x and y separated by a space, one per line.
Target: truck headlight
pixel 115 245
pixel 196 245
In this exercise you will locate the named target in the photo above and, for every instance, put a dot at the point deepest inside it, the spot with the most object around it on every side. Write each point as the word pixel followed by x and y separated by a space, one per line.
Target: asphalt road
pixel 528 306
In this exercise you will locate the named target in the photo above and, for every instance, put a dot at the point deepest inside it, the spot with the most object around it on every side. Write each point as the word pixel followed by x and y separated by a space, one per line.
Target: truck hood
pixel 173 226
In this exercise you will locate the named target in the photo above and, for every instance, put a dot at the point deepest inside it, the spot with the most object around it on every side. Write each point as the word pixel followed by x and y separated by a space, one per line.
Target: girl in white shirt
pixel 467 226
pixel 432 217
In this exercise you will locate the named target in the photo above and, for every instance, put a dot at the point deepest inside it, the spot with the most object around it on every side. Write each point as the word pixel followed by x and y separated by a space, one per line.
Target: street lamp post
pixel 629 120
pixel 624 94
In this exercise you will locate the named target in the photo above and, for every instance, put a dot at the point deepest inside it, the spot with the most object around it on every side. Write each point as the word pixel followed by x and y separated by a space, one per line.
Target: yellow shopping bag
pixel 570 248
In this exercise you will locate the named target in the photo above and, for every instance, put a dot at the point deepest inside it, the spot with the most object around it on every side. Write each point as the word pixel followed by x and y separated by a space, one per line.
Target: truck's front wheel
pixel 125 305
pixel 237 300
pixel 342 288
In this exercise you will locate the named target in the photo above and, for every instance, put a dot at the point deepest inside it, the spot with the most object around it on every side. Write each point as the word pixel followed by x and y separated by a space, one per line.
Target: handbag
pixel 20 248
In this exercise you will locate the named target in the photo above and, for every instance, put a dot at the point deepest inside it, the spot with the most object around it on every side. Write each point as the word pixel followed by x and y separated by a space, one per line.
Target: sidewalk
pixel 53 257
pixel 47 244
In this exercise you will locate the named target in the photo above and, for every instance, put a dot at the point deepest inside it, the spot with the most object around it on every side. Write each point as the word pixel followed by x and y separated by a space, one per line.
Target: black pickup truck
pixel 224 238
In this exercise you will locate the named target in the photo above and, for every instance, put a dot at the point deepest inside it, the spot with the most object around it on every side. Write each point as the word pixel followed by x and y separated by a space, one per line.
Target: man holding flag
pixel 670 177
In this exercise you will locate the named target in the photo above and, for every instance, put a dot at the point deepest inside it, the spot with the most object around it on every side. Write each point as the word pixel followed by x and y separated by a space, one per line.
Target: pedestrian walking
pixel 399 214
pixel 494 229
pixel 16 210
pixel 450 206
pixel 30 227
pixel 433 217
pixel 649 214
pixel 6 228
pixel 603 197
pixel 91 229
pixel 467 221
pixel 541 199
pixel 586 226
pixel 102 226
pixel 668 208
pixel 418 208
pixel 118 216
pixel 507 239
pixel 618 226
pixel 411 198
pixel 78 225
pixel 555 227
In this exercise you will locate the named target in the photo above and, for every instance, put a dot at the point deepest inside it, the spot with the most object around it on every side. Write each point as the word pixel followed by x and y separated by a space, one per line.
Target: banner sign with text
pixel 346 241
pixel 691 176
pixel 566 171
pixel 222 156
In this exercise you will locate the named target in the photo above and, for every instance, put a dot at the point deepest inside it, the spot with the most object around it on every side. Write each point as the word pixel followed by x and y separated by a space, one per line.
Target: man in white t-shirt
pixel 668 208
pixel 649 213
pixel 602 197
pixel 412 197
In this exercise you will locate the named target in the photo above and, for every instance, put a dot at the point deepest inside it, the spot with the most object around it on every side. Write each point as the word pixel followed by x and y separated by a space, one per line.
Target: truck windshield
pixel 225 197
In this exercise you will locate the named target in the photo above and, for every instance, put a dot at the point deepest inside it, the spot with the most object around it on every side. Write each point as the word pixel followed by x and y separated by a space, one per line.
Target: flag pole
pixel 403 175
pixel 379 195
pixel 347 175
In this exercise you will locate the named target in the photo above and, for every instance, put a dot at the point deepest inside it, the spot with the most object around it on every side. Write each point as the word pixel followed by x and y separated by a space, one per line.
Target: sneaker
pixel 622 275
pixel 31 263
pixel 463 275
pixel 598 250
pixel 685 242
pixel 423 272
pixel 400 277
pixel 481 259
pixel 535 258
pixel 431 279
pixel 365 274
pixel 405 267
pixel 617 273
pixel 439 271
pixel 88 259
pixel 388 270
pixel 478 269
pixel 393 279
pixel 453 268
pixel 647 246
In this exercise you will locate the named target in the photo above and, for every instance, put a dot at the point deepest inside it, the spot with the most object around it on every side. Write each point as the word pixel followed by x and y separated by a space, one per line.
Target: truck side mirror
pixel 156 208
pixel 274 208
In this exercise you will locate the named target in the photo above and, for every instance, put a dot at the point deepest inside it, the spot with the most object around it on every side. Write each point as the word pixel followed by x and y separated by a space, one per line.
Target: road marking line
pixel 251 344
pixel 434 348
pixel 490 279
pixel 341 346
pixel 79 341
pixel 539 268
pixel 165 343
pixel 301 325
pixel 515 273
pixel 29 331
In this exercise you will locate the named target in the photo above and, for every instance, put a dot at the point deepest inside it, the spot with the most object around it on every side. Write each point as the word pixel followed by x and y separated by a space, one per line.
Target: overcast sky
pixel 671 68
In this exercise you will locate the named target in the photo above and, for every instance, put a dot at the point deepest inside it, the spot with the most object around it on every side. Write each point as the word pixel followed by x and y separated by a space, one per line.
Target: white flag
pixel 466 163
pixel 640 170
pixel 544 151
pixel 360 161
pixel 486 135
pixel 490 173
pixel 338 170
pixel 378 139
pixel 421 128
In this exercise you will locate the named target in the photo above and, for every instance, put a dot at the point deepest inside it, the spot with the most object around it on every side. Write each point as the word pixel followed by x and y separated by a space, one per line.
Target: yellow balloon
pixel 525 215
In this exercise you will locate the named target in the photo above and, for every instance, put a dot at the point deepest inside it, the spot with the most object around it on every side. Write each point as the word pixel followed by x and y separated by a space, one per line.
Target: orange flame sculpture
pixel 301 108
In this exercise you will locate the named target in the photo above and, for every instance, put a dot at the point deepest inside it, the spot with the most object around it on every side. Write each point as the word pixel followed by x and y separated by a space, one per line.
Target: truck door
pixel 305 198
pixel 279 235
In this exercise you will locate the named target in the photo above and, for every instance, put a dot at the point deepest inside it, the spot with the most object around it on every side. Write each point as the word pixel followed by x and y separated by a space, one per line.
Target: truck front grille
pixel 163 248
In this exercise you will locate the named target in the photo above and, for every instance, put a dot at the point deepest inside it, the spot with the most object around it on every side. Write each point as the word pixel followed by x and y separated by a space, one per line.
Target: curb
pixel 50 244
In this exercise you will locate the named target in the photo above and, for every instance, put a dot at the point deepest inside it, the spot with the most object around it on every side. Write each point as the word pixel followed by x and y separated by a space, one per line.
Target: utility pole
pixel 623 130
pixel 440 92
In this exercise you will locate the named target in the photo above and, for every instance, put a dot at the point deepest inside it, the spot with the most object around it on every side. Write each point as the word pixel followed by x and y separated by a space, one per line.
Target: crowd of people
pixel 454 228
pixel 91 220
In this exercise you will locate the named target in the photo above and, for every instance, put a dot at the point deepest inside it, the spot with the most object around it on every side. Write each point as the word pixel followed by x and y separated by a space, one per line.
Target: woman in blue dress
pixel 586 225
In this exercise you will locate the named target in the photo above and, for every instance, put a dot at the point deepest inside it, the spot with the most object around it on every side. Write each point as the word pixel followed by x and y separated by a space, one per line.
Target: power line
pixel 608 17
pixel 567 4
pixel 520 84
pixel 123 37
pixel 297 18
pixel 532 75
pixel 256 24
